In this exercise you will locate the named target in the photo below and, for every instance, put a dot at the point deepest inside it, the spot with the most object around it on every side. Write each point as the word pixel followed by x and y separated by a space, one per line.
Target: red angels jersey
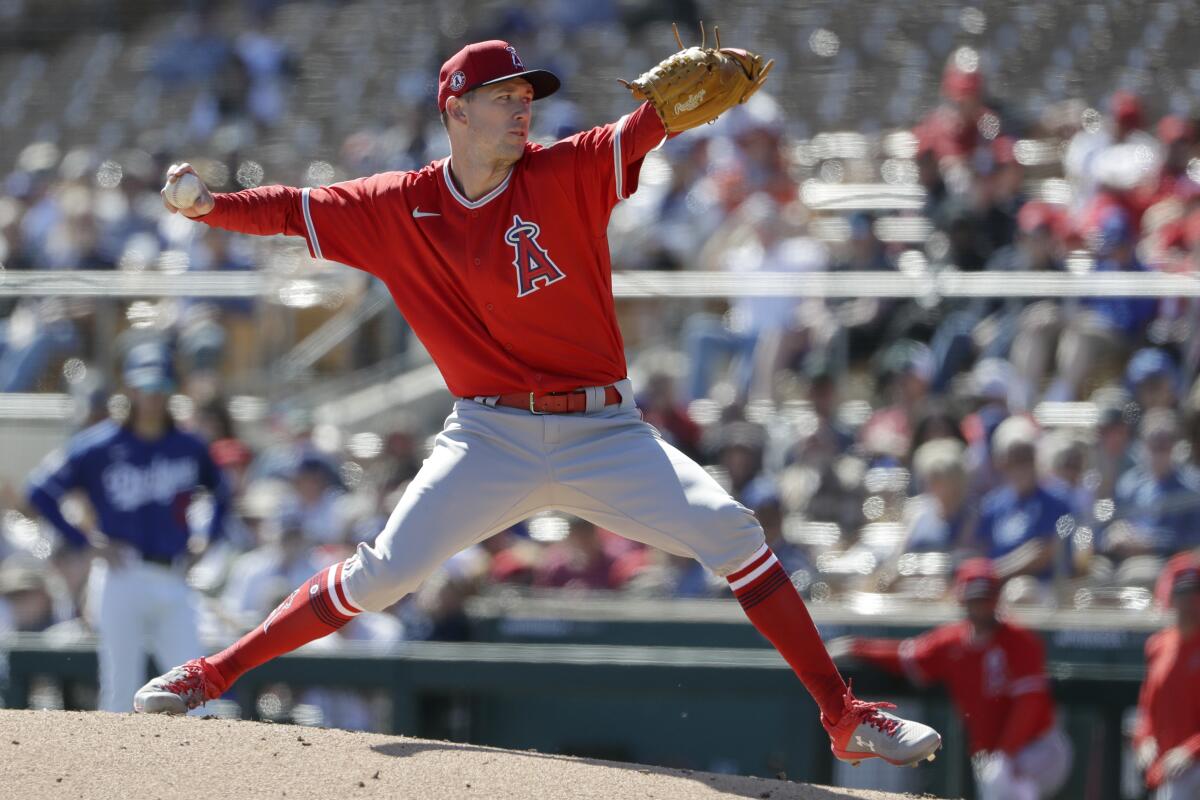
pixel 985 679
pixel 509 292
pixel 1169 703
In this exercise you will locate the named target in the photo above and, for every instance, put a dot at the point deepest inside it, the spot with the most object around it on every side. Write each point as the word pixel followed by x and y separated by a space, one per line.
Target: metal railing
pixel 919 282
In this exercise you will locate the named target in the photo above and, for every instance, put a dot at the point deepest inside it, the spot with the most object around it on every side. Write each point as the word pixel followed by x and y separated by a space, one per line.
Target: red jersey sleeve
pixel 881 653
pixel 343 222
pixel 265 211
pixel 608 160
pixel 920 658
pixel 924 658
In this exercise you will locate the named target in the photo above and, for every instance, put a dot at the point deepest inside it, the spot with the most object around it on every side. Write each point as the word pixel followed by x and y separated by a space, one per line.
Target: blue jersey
pixel 1007 521
pixel 139 490
pixel 1166 511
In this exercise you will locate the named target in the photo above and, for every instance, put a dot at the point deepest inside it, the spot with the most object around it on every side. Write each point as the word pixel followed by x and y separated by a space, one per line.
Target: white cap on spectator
pixel 997 379
pixel 939 457
pixel 1056 447
pixel 1016 430
pixel 991 379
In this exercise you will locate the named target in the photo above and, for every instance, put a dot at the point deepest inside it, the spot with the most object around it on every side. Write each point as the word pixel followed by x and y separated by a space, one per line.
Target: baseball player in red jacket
pixel 1167 736
pixel 498 258
pixel 995 672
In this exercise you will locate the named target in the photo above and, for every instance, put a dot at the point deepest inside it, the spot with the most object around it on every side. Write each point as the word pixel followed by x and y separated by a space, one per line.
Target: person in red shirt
pixel 995 673
pixel 1167 736
pixel 953 130
pixel 580 561
pixel 497 256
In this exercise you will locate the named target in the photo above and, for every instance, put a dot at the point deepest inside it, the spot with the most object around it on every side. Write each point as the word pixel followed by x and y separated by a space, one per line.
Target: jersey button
pixel 491 307
pixel 508 346
pixel 477 262
pixel 537 378
pixel 474 215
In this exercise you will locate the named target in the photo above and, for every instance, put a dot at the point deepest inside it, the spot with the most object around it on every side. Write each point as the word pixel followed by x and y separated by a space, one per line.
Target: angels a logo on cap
pixel 457 81
pixel 512 51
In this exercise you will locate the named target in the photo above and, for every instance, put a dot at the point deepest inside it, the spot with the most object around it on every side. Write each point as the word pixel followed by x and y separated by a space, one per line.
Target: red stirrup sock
pixel 777 610
pixel 318 608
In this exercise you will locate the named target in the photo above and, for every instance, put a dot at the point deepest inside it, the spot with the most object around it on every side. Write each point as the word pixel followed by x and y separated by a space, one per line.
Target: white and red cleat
pixel 867 731
pixel 176 692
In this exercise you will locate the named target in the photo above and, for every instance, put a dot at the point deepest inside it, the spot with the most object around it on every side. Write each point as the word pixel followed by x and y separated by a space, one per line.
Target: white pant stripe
pixel 766 565
pixel 759 553
pixel 333 595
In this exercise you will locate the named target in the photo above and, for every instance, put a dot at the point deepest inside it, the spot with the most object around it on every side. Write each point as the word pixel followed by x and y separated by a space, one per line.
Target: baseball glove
pixel 698 84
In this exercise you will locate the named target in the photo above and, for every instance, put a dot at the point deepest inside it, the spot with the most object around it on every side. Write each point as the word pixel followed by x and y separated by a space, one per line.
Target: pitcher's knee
pixel 733 537
pixel 375 578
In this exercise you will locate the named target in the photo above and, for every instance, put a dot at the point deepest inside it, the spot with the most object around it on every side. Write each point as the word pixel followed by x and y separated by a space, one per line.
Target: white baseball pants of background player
pixel 1037 772
pixel 1185 787
pixel 137 608
pixel 492 467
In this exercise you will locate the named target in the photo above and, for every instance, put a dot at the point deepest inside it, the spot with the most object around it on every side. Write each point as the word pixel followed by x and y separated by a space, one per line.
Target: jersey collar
pixel 492 195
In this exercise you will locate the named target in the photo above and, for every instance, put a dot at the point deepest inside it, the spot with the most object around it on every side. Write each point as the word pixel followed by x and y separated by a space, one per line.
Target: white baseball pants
pixel 492 467
pixel 1038 771
pixel 137 608
pixel 1185 787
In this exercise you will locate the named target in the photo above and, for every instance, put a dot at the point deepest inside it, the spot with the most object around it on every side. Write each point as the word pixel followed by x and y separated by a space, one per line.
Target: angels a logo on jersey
pixel 512 51
pixel 533 263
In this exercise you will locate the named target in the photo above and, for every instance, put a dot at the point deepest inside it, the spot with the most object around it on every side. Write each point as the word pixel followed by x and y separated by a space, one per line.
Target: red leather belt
pixel 556 402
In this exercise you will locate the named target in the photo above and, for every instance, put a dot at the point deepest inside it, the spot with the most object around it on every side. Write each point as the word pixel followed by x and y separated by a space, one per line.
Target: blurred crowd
pixel 880 441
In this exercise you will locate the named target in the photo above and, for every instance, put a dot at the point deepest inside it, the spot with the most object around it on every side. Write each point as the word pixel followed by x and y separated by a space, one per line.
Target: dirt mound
pixel 93 755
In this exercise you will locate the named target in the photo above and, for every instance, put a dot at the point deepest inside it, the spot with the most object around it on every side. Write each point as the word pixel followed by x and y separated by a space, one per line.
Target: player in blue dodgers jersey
pixel 140 478
pixel 1023 526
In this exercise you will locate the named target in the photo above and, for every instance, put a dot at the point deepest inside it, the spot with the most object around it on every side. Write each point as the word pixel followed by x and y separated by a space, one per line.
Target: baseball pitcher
pixel 497 256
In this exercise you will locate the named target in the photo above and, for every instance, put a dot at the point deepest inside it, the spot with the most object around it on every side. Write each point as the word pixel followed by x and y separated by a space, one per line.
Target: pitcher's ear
pixel 456 108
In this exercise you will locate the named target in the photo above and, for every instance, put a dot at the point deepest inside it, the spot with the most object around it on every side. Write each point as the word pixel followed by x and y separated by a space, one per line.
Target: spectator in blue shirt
pixel 1153 379
pixel 1103 331
pixel 1021 523
pixel 1157 508
pixel 1117 252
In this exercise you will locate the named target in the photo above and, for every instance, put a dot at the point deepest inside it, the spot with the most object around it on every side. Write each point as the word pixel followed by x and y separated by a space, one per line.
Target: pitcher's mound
pixel 98 756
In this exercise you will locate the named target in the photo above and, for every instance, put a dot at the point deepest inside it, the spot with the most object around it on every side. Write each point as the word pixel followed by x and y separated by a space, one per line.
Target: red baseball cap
pixel 483 63
pixel 961 85
pixel 1127 109
pixel 1187 579
pixel 976 579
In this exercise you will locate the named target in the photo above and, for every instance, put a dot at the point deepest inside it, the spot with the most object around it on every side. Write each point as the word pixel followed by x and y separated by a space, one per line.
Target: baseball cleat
pixel 176 692
pixel 867 731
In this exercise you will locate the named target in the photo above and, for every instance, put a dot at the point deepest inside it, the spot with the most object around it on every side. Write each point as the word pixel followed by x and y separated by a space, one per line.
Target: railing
pixel 915 282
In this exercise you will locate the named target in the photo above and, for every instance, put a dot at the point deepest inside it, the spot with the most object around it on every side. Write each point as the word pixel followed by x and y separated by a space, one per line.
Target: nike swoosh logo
pixel 417 212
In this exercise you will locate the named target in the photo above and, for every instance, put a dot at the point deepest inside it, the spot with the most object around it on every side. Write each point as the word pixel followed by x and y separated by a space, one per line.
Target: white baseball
pixel 184 192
